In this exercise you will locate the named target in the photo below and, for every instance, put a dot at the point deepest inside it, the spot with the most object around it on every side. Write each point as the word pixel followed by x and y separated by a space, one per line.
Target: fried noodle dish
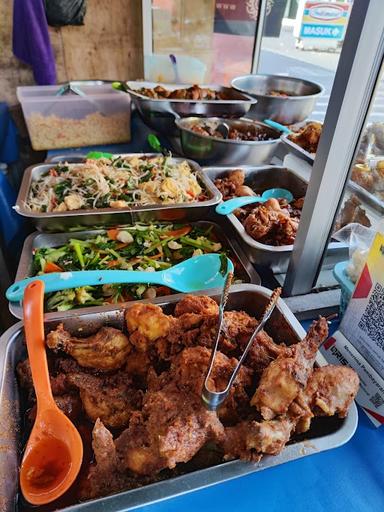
pixel 139 391
pixel 274 222
pixel 114 183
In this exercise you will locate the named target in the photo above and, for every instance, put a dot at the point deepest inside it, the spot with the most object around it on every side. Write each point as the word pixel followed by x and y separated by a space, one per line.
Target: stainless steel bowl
pixel 160 114
pixel 284 110
pixel 208 150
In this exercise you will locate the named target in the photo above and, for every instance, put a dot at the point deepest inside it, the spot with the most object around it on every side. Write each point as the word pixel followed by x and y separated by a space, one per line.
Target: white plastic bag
pixel 359 239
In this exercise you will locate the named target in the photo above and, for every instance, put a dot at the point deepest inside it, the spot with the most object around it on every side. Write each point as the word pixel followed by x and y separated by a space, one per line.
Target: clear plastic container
pixel 100 115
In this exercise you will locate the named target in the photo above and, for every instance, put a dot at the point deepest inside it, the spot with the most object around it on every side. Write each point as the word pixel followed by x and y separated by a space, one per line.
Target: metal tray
pixel 259 179
pixel 330 432
pixel 297 150
pixel 36 240
pixel 55 222
pixel 160 114
pixel 207 150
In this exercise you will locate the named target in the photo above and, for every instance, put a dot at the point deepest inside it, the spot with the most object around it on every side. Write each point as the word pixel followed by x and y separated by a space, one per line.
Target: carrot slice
pixel 113 263
pixel 112 233
pixel 52 267
pixel 179 232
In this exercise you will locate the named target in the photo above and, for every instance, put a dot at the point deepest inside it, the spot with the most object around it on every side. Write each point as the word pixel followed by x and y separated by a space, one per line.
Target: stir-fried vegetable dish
pixel 139 247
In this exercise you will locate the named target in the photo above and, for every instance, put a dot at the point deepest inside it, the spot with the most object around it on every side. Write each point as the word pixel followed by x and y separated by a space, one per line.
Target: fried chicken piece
pixel 103 478
pixel 286 230
pixel 146 323
pixel 199 305
pixel 237 176
pixel 189 368
pixel 106 350
pixel 110 398
pixel 308 136
pixel 249 440
pixel 283 379
pixel 260 222
pixel 330 390
pixel 171 428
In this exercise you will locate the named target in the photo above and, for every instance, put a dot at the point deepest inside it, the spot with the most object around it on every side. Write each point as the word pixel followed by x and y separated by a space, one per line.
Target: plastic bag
pixel 65 12
pixel 359 239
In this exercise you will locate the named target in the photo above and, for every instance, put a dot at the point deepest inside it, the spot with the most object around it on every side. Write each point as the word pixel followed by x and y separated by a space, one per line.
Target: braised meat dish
pixel 137 396
pixel 274 222
pixel 246 132
pixel 308 136
pixel 195 92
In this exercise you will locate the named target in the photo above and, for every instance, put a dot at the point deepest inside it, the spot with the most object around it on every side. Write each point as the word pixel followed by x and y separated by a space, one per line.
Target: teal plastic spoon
pixel 227 207
pixel 194 274
pixel 277 126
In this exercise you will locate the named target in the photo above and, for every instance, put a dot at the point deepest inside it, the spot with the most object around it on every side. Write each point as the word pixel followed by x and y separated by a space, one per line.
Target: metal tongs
pixel 212 399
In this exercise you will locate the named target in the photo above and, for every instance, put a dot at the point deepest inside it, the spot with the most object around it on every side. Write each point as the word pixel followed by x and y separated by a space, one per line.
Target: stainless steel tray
pixel 260 179
pixel 74 220
pixel 330 432
pixel 160 114
pixel 208 150
pixel 297 150
pixel 247 273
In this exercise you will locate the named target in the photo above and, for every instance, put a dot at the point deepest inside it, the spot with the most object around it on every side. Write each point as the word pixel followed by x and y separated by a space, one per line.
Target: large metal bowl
pixel 212 150
pixel 284 110
pixel 160 114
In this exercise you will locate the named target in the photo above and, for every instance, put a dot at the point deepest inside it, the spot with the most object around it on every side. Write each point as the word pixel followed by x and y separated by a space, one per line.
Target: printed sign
pixel 363 322
pixel 324 20
pixel 360 341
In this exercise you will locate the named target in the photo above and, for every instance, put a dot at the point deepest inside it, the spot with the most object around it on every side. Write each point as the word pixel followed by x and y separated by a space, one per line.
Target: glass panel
pixel 212 40
pixel 363 200
pixel 303 39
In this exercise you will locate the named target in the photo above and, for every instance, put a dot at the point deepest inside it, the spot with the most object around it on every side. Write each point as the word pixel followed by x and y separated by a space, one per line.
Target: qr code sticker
pixel 377 400
pixel 372 321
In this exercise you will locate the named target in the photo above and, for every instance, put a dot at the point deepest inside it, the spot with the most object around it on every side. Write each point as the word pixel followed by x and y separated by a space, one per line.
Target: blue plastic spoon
pixel 227 207
pixel 194 274
pixel 277 126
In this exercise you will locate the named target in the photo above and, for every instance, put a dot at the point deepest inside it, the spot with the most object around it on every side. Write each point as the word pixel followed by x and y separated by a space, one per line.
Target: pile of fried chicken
pixel 141 390
pixel 274 222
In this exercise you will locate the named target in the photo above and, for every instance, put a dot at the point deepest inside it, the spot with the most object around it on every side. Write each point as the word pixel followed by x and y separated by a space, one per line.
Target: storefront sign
pixel 324 20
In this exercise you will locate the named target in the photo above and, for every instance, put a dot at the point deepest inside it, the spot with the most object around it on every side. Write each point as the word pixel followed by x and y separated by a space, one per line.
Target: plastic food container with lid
pixel 58 117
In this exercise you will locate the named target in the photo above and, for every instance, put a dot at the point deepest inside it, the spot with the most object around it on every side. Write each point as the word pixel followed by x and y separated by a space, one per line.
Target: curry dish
pixel 139 390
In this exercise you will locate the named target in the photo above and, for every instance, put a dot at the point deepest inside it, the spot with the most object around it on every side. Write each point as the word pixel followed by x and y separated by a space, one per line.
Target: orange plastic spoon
pixel 54 451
